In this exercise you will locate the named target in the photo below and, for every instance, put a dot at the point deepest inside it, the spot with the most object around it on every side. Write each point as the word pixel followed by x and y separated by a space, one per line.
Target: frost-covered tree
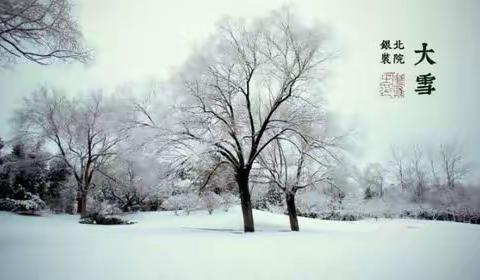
pixel 419 174
pixel 228 199
pixel 373 180
pixel 25 171
pixel 32 172
pixel 247 90
pixel 24 178
pixel 399 166
pixel 211 201
pixel 85 132
pixel 123 185
pixel 417 171
pixel 293 166
pixel 187 201
pixel 41 31
pixel 453 164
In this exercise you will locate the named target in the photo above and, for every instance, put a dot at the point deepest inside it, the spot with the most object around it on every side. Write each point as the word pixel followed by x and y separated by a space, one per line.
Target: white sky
pixel 137 41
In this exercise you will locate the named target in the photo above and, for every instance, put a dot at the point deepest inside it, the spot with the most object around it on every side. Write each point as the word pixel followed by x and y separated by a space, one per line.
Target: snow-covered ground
pixel 201 246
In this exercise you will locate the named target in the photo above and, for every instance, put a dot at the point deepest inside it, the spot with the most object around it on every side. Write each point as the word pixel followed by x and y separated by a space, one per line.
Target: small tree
pixel 453 164
pixel 211 201
pixel 295 166
pixel 373 180
pixel 400 167
pixel 122 185
pixel 418 167
pixel 184 201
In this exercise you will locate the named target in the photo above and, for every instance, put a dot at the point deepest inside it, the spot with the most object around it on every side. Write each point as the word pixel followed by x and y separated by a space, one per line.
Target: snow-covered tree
pixel 399 166
pixel 419 174
pixel 239 91
pixel 211 201
pixel 453 164
pixel 121 183
pixel 295 165
pixel 85 132
pixel 183 201
pixel 39 31
pixel 373 180
pixel 26 170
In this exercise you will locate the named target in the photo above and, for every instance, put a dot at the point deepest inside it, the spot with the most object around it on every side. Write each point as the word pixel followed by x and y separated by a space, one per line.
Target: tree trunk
pixel 292 211
pixel 245 200
pixel 82 204
pixel 79 202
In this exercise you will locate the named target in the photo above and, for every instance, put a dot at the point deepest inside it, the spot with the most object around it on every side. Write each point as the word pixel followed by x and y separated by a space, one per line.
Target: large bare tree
pixel 84 131
pixel 248 89
pixel 41 31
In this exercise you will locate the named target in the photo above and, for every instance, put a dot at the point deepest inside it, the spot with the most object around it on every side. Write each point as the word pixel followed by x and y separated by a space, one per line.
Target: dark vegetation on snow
pixel 469 217
pixel 98 219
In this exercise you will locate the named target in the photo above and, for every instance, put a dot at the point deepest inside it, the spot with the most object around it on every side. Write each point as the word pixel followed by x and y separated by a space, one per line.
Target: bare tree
pixel 295 166
pixel 248 92
pixel 433 166
pixel 417 165
pixel 399 164
pixel 40 31
pixel 453 164
pixel 122 184
pixel 84 132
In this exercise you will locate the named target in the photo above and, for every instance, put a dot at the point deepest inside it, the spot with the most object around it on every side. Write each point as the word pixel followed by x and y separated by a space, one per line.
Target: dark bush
pixel 27 206
pixel 98 219
pixel 461 216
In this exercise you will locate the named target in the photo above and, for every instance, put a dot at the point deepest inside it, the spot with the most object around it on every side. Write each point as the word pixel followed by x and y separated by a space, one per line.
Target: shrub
pixel 184 201
pixel 32 204
pixel 99 219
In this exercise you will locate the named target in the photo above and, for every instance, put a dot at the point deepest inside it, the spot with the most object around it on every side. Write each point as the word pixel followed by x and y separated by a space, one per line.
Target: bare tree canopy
pixel 416 170
pixel 453 163
pixel 41 31
pixel 295 164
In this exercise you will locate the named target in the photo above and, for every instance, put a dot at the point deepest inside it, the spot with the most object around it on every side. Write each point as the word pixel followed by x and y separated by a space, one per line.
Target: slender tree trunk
pixel 79 202
pixel 292 211
pixel 245 199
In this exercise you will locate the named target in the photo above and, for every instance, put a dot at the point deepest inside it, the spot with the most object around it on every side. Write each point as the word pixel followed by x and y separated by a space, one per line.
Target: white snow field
pixel 201 246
